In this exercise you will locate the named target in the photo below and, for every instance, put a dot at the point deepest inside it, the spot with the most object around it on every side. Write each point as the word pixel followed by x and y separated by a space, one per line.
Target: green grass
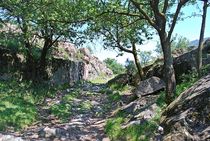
pixel 62 111
pixel 18 102
pixel 146 130
pixel 101 79
pixel 141 132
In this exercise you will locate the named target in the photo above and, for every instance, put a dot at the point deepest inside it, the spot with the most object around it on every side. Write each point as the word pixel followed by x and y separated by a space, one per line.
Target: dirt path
pixel 84 124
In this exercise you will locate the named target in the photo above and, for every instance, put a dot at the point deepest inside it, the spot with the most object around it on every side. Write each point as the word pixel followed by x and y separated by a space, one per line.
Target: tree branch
pixel 178 9
pixel 165 7
pixel 150 21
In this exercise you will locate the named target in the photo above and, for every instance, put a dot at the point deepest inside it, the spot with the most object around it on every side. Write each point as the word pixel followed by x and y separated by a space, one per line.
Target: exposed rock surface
pixel 10 138
pixel 93 67
pixel 122 79
pixel 65 71
pixel 184 62
pixel 187 118
pixel 68 65
pixel 149 86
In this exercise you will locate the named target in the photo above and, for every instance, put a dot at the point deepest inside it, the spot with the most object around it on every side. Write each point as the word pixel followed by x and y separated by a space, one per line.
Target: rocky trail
pixel 84 124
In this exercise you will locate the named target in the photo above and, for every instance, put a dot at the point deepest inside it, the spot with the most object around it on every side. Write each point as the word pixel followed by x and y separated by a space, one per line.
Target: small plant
pixel 62 111
pixel 113 128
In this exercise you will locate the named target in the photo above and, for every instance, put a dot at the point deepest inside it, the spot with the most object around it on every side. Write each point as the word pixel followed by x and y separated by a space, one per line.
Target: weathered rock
pixel 140 111
pixel 188 60
pixel 149 86
pixel 10 138
pixel 187 118
pixel 65 50
pixel 93 67
pixel 121 79
pixel 67 66
pixel 65 71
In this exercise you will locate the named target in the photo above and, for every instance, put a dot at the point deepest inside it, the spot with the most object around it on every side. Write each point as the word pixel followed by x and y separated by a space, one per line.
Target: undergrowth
pixel 145 131
pixel 18 102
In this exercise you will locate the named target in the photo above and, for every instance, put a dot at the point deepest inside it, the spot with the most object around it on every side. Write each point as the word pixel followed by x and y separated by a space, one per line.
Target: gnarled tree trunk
pixel 169 73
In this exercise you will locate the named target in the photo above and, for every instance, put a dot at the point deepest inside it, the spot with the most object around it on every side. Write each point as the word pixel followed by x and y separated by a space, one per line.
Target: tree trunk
pixel 200 46
pixel 169 74
pixel 137 62
pixel 42 62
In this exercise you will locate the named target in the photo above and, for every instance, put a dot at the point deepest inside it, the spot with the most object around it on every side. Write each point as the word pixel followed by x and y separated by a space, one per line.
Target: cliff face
pixel 68 64
pixel 187 118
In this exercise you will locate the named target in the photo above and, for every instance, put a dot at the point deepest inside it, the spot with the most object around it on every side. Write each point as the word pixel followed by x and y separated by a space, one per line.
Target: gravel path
pixel 86 125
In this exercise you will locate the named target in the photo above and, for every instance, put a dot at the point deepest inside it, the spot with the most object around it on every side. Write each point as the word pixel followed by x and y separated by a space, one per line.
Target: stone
pixel 85 51
pixel 121 79
pixel 180 59
pixel 65 71
pixel 187 117
pixel 149 86
pixel 10 138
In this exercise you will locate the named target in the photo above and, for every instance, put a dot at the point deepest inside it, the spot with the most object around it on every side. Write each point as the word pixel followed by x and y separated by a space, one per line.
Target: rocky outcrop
pixel 187 118
pixel 93 67
pixel 65 71
pixel 149 86
pixel 183 63
pixel 68 64
pixel 121 79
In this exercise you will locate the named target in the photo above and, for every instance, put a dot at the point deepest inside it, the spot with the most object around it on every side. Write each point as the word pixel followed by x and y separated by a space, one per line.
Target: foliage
pixel 116 67
pixel 101 79
pixel 142 131
pixel 18 102
pixel 145 57
pixel 130 67
pixel 179 42
pixel 61 110
pixel 41 24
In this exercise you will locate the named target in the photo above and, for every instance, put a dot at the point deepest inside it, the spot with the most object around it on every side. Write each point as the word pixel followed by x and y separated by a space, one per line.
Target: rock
pixel 85 51
pixel 65 71
pixel 10 138
pixel 65 50
pixel 187 118
pixel 188 60
pixel 121 79
pixel 149 86
pixel 47 132
pixel 148 113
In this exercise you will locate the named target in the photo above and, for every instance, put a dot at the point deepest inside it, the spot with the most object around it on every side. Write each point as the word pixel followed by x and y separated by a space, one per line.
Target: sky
pixel 189 28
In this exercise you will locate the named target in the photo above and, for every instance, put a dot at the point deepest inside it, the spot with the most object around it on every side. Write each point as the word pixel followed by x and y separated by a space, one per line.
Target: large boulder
pixel 121 79
pixel 187 118
pixel 183 63
pixel 149 86
pixel 65 71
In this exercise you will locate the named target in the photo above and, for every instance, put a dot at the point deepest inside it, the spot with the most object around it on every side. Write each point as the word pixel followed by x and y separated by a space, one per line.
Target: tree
pixel 43 23
pixel 178 42
pixel 145 57
pixel 121 32
pixel 116 67
pixel 200 46
pixel 158 15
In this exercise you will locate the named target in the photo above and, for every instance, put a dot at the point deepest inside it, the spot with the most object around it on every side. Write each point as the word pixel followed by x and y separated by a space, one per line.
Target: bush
pixel 116 67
